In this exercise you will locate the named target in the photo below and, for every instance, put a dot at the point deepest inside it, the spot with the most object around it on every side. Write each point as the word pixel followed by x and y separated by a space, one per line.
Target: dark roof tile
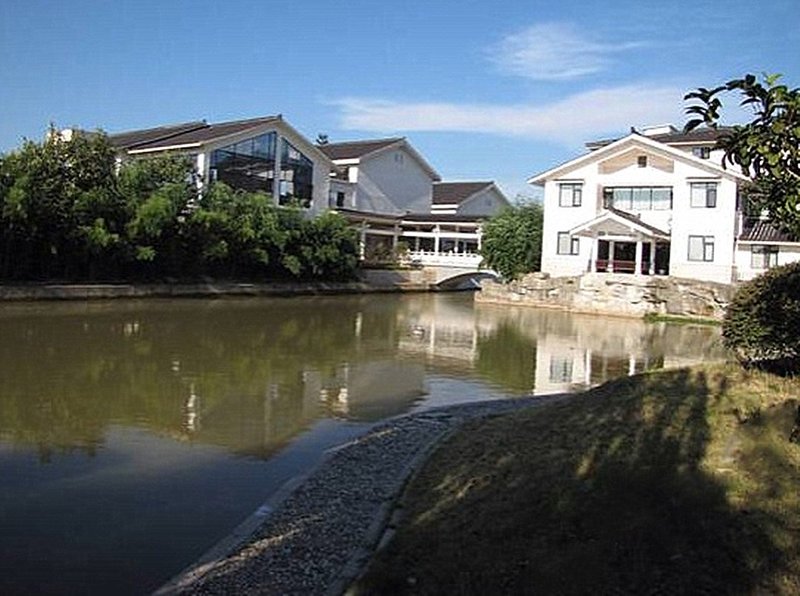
pixel 356 149
pixel 450 193
pixel 760 230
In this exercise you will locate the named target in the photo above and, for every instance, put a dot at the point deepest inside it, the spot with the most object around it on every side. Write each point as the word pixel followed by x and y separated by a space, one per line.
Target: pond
pixel 135 434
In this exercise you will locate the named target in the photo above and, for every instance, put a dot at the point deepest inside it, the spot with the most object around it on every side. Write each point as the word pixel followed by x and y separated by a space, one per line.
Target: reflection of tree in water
pixel 507 357
pixel 235 368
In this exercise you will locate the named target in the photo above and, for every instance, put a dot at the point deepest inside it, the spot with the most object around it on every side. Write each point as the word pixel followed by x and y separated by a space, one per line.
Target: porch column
pixel 395 237
pixel 362 242
pixel 593 255
pixel 610 268
pixel 416 243
pixel 436 238
pixel 652 270
pixel 638 270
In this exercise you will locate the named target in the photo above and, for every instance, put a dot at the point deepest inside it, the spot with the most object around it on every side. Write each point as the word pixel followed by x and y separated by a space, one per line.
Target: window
pixel 763 256
pixel 340 199
pixel 560 369
pixel 638 198
pixel 701 152
pixel 297 175
pixel 247 165
pixel 642 161
pixel 569 194
pixel 703 194
pixel 701 248
pixel 567 245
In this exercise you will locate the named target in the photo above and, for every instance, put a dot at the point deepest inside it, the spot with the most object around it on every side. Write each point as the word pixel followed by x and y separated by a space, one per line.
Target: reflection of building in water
pixel 368 390
pixel 580 351
pixel 444 331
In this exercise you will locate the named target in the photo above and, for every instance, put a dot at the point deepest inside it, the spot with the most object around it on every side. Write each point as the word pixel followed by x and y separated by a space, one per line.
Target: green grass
pixel 681 319
pixel 673 482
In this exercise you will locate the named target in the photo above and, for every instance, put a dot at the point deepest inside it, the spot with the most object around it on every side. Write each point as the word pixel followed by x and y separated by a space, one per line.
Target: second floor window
pixel 567 245
pixel 638 198
pixel 701 248
pixel 570 194
pixel 701 152
pixel 703 194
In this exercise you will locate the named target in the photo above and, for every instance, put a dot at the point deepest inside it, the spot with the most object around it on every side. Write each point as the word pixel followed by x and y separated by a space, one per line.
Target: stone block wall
pixel 613 294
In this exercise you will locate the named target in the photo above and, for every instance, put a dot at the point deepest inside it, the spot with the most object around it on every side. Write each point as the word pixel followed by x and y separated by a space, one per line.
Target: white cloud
pixel 571 120
pixel 555 51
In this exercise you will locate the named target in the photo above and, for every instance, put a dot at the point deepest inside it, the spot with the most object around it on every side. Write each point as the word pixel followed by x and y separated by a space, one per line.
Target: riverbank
pixel 316 535
pixel 614 295
pixel 370 281
pixel 679 481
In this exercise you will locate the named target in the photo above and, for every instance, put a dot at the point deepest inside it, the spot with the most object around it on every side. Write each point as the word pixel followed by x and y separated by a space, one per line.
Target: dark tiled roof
pixel 355 149
pixel 129 139
pixel 184 134
pixel 454 193
pixel 760 230
pixel 698 135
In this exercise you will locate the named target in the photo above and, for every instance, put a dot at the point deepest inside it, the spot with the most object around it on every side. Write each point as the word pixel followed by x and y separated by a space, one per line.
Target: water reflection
pixel 250 374
pixel 136 433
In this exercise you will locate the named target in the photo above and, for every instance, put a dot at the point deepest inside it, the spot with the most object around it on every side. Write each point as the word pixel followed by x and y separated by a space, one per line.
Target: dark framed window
pixel 570 194
pixel 567 245
pixel 703 194
pixel 638 198
pixel 701 248
pixel 247 165
pixel 763 256
pixel 701 152
pixel 641 161
pixel 297 176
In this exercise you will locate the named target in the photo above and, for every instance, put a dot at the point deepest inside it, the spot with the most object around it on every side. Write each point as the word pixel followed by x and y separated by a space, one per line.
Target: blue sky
pixel 483 90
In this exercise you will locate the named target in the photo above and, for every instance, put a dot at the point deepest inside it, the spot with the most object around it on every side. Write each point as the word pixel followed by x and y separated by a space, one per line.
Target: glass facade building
pixel 251 165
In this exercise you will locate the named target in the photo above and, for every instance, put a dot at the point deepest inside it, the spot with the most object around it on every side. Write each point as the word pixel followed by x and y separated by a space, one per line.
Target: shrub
pixel 762 323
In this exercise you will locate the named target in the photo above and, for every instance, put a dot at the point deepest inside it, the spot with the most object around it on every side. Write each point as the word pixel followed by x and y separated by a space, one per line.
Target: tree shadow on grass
pixel 612 492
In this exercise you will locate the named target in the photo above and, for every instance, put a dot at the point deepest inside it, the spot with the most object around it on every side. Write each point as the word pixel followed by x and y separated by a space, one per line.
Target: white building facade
pixel 657 203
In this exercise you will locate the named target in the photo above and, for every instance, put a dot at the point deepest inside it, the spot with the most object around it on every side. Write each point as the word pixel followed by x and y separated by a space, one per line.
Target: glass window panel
pixel 703 194
pixel 641 199
pixel 569 195
pixel 297 175
pixel 662 198
pixel 695 248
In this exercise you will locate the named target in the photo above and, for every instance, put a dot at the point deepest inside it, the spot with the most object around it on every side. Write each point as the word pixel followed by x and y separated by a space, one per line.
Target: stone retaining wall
pixel 369 281
pixel 613 294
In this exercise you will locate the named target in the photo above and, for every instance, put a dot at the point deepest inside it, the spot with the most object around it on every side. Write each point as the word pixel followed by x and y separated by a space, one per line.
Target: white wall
pixel 393 182
pixel 787 253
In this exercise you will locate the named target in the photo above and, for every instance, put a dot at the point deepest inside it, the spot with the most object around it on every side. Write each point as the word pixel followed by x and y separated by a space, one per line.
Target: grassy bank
pixel 672 482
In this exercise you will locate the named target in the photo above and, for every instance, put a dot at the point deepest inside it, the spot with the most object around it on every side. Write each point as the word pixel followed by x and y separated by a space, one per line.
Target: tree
pixel 767 148
pixel 512 240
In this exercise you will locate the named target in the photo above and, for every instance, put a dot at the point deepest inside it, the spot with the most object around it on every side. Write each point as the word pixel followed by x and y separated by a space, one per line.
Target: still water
pixel 134 435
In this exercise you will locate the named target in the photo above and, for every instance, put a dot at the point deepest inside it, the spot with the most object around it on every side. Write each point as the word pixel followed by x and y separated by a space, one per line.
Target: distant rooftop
pixel 356 149
pixel 455 193
pixel 669 135
pixel 183 134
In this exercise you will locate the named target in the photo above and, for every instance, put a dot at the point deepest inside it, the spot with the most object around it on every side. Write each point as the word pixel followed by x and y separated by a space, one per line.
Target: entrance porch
pixel 622 243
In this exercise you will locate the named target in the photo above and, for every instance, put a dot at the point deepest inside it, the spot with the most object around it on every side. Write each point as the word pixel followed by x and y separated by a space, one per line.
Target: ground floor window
pixel 701 248
pixel 763 256
pixel 567 245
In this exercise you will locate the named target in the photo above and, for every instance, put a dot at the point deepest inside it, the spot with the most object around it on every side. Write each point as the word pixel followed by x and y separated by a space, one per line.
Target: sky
pixel 484 90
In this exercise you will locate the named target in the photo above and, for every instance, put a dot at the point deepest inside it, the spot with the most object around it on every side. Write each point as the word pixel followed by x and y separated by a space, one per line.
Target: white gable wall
pixel 486 202
pixel 393 182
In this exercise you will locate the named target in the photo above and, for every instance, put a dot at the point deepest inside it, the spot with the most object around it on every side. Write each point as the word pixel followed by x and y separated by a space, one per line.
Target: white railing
pixel 444 259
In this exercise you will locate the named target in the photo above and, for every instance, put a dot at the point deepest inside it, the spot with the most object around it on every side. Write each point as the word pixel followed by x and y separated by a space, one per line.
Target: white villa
pixel 387 189
pixel 657 202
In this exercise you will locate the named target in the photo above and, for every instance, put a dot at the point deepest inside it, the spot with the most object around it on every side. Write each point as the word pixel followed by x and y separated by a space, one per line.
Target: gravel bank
pixel 317 538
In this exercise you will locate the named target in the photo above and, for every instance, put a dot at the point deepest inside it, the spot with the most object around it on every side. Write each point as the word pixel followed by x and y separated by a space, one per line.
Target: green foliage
pixel 512 241
pixel 763 320
pixel 69 211
pixel 767 148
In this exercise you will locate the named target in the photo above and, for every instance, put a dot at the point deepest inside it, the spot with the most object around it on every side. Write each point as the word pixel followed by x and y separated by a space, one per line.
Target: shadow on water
pixel 608 493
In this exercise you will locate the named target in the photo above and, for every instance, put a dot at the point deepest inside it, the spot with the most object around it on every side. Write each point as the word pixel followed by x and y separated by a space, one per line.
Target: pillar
pixel 610 268
pixel 652 270
pixel 362 242
pixel 436 238
pixel 638 266
pixel 593 255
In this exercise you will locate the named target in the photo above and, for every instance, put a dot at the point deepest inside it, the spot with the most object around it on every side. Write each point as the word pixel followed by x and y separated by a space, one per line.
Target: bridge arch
pixel 452 280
